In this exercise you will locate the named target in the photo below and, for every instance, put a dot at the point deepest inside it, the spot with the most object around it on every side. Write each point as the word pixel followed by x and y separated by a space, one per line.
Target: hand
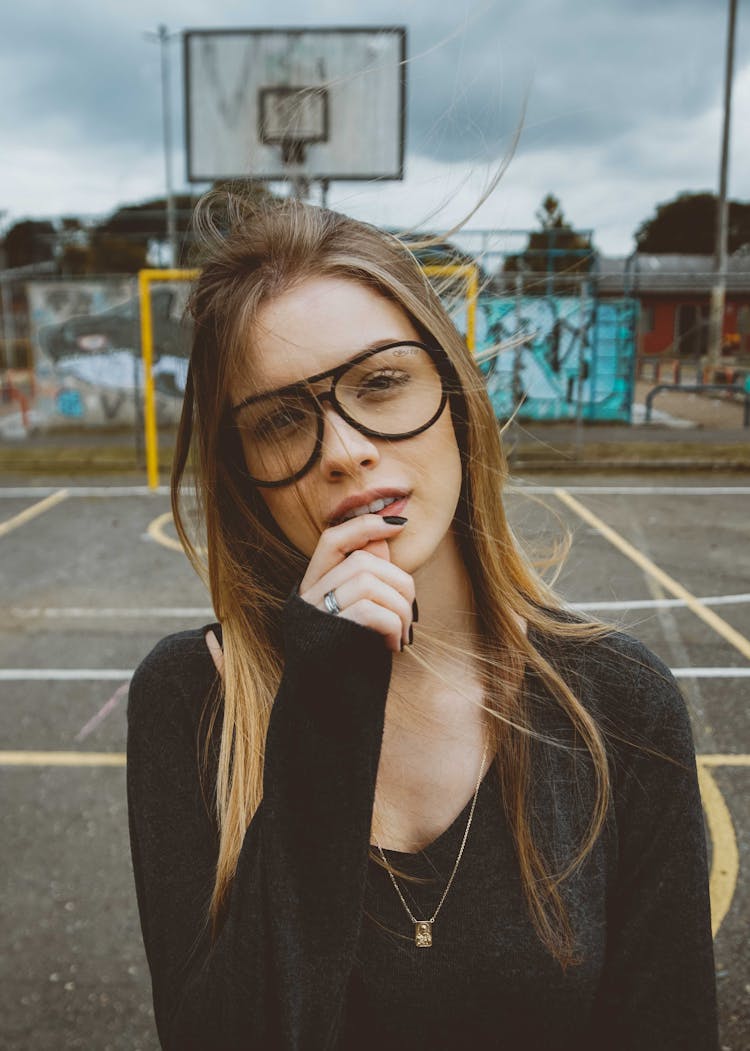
pixel 353 559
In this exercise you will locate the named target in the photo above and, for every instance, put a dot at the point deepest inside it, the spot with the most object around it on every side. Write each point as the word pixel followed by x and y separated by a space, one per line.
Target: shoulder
pixel 624 685
pixel 174 678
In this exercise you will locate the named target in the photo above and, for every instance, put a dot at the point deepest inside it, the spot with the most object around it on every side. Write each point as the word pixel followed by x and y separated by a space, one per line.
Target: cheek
pixel 294 517
pixel 446 454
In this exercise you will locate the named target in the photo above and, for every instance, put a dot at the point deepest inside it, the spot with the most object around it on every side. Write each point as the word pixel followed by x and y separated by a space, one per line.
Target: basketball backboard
pixel 283 103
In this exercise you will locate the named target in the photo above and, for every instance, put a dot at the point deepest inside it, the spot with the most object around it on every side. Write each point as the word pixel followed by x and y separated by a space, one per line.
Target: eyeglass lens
pixel 392 393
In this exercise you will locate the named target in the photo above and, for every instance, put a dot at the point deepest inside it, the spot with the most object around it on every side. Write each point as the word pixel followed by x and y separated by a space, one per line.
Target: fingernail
pixel 411 635
pixel 395 520
pixel 415 610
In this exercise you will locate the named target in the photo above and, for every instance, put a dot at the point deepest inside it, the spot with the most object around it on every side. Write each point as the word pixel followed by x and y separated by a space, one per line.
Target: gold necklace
pixel 423 928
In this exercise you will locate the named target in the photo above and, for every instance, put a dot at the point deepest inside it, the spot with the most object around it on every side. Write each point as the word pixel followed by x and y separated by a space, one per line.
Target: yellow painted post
pixel 470 273
pixel 145 279
pixel 147 353
pixel 472 295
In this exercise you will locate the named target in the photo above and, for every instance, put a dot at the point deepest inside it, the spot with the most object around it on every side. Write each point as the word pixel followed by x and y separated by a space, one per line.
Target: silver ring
pixel 331 604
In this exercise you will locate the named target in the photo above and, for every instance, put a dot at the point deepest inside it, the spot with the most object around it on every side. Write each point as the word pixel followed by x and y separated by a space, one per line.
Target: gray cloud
pixel 602 76
pixel 596 70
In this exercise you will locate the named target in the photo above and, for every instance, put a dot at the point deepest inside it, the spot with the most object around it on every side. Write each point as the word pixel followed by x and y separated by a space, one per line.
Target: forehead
pixel 316 325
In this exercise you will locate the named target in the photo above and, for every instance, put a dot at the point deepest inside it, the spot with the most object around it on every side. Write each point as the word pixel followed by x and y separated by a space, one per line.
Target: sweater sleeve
pixel 659 986
pixel 277 974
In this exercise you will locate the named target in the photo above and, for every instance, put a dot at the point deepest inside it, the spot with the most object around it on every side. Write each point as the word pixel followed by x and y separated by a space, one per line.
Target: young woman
pixel 398 795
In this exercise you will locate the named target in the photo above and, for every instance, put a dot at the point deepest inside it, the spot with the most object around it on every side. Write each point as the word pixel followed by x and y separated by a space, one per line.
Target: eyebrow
pixel 378 344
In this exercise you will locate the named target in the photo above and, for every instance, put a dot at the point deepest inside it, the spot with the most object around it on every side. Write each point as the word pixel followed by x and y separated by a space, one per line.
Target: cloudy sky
pixel 624 105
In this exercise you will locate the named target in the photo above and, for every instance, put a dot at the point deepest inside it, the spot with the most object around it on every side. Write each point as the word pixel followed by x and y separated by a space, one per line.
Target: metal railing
pixel 698 388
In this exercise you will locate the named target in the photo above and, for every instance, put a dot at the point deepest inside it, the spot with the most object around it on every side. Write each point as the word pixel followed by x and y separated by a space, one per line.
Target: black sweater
pixel 316 950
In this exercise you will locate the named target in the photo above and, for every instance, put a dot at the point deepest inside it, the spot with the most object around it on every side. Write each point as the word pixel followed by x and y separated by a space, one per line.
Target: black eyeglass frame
pixel 439 357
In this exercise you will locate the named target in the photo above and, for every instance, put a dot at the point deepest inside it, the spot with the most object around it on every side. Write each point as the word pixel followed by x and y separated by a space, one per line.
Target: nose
pixel 345 450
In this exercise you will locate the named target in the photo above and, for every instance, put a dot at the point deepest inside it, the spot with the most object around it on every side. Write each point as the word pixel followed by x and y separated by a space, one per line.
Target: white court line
pixel 640 490
pixel 674 587
pixel 14 492
pixel 94 612
pixel 118 674
pixel 662 603
pixel 711 673
pixel 64 674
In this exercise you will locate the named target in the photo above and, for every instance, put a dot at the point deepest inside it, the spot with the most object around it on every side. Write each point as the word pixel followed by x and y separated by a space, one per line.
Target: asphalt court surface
pixel 92 578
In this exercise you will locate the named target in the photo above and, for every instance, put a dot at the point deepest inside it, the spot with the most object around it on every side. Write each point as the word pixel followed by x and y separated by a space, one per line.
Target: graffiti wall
pixel 558 357
pixel 87 353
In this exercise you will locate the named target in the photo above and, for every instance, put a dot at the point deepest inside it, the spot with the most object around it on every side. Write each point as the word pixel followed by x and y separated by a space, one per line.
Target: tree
pixel 121 242
pixel 30 241
pixel 687 226
pixel 556 250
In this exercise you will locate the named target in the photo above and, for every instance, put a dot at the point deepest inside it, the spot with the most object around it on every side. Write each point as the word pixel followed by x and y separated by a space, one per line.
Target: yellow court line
pixel 31 512
pixel 725 860
pixel 720 626
pixel 156 531
pixel 723 760
pixel 62 759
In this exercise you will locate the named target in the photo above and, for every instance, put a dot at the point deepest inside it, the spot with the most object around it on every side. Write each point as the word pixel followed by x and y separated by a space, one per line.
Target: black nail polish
pixel 395 520
pixel 415 611
pixel 411 635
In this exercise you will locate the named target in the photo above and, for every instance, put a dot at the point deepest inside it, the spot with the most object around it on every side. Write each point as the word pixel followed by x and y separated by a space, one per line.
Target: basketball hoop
pixel 295 105
pixel 292 118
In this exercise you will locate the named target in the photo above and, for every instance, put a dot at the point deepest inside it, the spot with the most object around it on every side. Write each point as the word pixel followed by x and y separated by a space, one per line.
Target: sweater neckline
pixel 459 822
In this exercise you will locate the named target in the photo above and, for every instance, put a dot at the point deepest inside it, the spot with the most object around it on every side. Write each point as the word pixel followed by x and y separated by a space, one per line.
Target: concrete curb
pixel 569 466
pixel 526 456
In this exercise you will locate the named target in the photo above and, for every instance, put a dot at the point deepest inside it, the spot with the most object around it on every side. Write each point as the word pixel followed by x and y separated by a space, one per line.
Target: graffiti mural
pixel 552 357
pixel 566 357
pixel 88 366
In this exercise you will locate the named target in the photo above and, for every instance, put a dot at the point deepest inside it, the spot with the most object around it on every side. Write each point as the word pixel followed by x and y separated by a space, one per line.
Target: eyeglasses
pixel 394 392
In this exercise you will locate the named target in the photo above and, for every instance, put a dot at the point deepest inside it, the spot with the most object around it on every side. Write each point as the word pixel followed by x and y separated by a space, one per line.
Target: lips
pixel 374 501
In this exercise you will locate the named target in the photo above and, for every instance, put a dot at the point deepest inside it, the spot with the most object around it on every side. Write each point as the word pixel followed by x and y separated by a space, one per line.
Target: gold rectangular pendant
pixel 423 934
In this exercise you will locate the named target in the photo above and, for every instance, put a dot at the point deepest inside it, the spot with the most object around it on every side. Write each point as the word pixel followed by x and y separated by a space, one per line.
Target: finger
pixel 379 548
pixel 339 541
pixel 371 615
pixel 216 653
pixel 361 564
pixel 367 586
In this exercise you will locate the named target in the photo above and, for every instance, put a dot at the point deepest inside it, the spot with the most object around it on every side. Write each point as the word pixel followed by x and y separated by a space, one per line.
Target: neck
pixel 435 692
pixel 446 611
pixel 444 592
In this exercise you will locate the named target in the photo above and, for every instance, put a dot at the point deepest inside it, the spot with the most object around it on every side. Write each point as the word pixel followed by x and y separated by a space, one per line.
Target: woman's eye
pixel 277 421
pixel 382 382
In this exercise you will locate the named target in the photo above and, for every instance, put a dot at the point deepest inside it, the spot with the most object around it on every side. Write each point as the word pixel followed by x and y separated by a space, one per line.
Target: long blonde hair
pixel 252 251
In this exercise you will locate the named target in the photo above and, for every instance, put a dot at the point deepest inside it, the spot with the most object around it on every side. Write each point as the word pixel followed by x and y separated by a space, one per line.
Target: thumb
pixel 379 548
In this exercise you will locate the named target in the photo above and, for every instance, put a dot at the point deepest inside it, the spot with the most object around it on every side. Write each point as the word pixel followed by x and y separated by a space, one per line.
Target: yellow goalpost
pixel 145 279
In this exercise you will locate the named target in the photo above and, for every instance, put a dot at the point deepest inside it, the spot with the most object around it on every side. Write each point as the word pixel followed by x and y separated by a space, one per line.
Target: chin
pixel 415 554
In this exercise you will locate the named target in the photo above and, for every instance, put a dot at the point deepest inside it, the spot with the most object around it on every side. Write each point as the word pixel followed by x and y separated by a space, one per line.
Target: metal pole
pixel 167 124
pixel 718 294
pixel 9 324
pixel 579 377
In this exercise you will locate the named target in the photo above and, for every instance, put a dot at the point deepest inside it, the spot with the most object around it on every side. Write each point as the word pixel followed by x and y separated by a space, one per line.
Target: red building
pixel 674 296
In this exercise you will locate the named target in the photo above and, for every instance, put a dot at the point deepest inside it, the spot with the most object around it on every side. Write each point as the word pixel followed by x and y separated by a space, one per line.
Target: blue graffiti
pixel 564 357
pixel 69 403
